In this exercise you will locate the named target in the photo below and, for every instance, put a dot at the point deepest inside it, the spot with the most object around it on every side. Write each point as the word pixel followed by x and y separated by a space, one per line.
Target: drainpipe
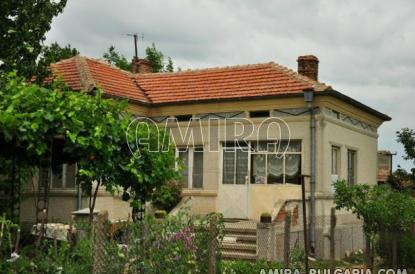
pixel 308 98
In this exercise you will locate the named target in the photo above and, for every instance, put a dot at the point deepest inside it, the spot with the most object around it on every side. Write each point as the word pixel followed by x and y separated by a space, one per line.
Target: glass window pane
pixel 228 167
pixel 184 163
pixel 70 176
pixel 258 169
pixel 275 169
pixel 241 166
pixel 351 167
pixel 334 160
pixel 198 169
pixel 292 169
pixel 57 177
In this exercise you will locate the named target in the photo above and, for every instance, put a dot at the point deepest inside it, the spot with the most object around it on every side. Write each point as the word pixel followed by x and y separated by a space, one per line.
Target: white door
pixel 233 193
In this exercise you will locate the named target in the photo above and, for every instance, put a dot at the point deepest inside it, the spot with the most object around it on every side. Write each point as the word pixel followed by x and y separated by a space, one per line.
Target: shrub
pixel 242 267
pixel 406 249
pixel 167 196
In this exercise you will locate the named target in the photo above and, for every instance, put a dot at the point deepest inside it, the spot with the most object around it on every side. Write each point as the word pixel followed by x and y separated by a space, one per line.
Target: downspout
pixel 308 97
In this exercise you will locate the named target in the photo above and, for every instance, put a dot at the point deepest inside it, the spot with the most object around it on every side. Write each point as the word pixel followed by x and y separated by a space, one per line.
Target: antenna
pixel 135 35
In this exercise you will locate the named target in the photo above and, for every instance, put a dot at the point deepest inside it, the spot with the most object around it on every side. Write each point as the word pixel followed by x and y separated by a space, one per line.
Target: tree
pixel 51 126
pixel 156 58
pixel 401 177
pixel 169 66
pixel 52 54
pixel 117 59
pixel 23 27
pixel 380 208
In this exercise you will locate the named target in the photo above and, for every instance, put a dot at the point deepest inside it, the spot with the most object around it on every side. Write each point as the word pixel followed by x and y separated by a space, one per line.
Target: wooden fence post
pixel 287 234
pixel 333 239
pixel 212 244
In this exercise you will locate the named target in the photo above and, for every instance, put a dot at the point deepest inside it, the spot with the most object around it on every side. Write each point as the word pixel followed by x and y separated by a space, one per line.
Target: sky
pixel 366 48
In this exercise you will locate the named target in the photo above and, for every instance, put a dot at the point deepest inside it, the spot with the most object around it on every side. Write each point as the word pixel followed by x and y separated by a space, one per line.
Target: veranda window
pixel 276 162
pixel 235 163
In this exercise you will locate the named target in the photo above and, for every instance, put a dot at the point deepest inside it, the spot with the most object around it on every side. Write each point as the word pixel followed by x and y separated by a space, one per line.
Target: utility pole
pixel 135 36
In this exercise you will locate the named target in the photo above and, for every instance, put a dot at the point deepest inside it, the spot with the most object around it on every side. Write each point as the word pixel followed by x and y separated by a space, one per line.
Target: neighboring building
pixel 237 182
pixel 384 165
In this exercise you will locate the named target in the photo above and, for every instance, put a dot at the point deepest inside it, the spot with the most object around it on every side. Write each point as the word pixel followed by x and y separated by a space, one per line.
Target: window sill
pixel 199 192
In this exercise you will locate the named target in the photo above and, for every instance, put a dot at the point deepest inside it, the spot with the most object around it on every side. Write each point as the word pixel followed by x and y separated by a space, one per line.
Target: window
pixel 235 163
pixel 64 177
pixel 258 114
pixel 192 172
pixel 183 118
pixel 351 167
pixel 335 160
pixel 276 162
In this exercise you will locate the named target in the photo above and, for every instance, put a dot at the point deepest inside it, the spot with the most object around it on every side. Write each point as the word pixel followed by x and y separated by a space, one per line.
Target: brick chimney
pixel 308 66
pixel 141 66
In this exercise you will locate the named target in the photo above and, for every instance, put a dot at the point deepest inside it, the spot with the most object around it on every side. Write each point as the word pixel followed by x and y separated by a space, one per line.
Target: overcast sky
pixel 366 48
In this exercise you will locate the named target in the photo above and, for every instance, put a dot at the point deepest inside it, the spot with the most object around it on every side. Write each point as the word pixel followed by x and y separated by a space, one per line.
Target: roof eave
pixel 347 99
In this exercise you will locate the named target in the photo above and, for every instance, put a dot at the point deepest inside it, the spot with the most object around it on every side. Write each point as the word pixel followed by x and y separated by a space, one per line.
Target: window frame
pixel 235 147
pixel 64 178
pixel 190 159
pixel 337 159
pixel 352 167
pixel 267 153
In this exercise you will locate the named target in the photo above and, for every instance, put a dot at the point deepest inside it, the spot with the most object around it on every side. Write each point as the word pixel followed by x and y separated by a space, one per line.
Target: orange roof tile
pixel 224 83
pixel 216 83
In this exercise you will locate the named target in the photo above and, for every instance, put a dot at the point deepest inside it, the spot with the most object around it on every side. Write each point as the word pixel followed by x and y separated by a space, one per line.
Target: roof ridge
pixel 201 70
pixel 87 81
pixel 318 86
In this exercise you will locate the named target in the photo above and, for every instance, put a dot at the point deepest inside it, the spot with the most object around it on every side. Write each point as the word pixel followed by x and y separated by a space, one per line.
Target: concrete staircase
pixel 239 242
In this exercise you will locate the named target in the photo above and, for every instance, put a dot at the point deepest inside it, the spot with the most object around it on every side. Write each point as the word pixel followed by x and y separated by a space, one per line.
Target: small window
pixel 336 114
pixel 64 177
pixel 351 167
pixel 184 118
pixel 259 114
pixel 335 160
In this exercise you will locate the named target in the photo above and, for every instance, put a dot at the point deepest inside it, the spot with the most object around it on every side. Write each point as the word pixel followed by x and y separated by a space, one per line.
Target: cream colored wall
pixel 262 197
pixel 63 203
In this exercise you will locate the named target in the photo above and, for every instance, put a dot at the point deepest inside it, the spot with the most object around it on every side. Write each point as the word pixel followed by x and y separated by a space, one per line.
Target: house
pixel 384 165
pixel 234 166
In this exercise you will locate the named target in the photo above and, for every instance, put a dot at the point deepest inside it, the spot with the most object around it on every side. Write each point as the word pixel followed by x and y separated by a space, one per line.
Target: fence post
pixel 395 250
pixel 332 238
pixel 212 244
pixel 287 234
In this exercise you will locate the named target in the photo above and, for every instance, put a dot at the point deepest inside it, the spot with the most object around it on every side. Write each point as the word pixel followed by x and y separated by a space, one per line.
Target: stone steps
pixel 239 242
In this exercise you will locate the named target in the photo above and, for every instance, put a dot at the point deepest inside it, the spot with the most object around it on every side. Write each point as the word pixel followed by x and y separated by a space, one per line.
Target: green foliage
pixel 406 248
pixel 176 244
pixel 7 230
pixel 243 267
pixel 115 58
pixel 52 54
pixel 156 58
pixel 23 27
pixel 169 66
pixel 406 137
pixel 167 196
pixel 92 132
pixel 379 206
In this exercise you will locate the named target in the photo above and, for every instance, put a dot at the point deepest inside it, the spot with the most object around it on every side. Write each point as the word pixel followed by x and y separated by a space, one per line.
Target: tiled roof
pixel 237 82
pixel 81 73
pixel 265 79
